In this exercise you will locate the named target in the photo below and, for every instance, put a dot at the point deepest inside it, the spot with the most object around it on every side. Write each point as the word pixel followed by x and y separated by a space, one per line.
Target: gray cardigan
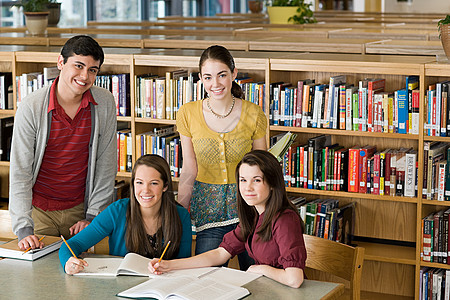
pixel 30 134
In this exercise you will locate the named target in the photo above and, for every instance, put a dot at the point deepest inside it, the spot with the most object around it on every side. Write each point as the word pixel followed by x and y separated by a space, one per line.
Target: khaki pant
pixel 56 222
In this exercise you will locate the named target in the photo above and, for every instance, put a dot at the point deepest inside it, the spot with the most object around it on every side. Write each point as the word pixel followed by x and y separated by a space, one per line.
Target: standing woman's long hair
pixel 171 228
pixel 222 54
pixel 275 204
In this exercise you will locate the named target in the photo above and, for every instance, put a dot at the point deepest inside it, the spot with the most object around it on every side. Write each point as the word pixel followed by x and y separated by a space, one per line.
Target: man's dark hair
pixel 82 45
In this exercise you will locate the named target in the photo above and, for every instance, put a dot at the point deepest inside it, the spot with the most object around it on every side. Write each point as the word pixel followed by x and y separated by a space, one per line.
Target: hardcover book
pixel 11 249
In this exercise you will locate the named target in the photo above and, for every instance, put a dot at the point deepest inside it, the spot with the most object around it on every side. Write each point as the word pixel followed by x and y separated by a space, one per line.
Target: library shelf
pixel 388 253
pixel 4 164
pixel 351 195
pixel 345 132
pixel 434 265
pixel 155 121
pixel 124 174
pixel 435 202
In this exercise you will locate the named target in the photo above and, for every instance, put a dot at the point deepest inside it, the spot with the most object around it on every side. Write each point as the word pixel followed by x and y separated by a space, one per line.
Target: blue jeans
pixel 211 238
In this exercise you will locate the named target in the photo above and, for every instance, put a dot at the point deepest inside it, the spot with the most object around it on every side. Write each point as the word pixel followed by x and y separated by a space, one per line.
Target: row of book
pixel 321 165
pixel 434 284
pixel 160 97
pixel 436 175
pixel 6 91
pixel 364 106
pixel 119 86
pixel 164 141
pixel 325 219
pixel 30 82
pixel 437 116
pixel 435 241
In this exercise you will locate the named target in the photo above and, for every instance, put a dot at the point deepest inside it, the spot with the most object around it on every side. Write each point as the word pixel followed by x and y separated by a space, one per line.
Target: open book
pixel 132 264
pixel 11 249
pixel 186 288
pixel 282 145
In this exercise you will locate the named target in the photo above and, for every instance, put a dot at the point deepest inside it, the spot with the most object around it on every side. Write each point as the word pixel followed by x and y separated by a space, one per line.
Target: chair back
pixel 337 259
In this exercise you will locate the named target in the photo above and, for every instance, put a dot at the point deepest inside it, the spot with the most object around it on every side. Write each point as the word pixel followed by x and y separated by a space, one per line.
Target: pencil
pixel 167 246
pixel 30 247
pixel 68 247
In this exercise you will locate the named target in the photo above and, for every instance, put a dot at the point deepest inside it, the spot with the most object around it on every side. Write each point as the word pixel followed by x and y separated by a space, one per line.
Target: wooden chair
pixel 337 259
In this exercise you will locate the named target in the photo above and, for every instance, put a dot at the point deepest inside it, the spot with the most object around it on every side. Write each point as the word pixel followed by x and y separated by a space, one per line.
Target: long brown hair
pixel 171 229
pixel 275 204
pixel 222 54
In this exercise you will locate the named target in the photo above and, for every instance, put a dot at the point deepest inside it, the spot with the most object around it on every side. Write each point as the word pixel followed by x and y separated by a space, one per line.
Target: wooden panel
pixel 388 278
pixel 4 180
pixel 385 220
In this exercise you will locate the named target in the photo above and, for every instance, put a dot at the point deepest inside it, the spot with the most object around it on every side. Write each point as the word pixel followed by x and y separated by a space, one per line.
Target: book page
pixel 134 264
pixel 232 276
pixel 101 266
pixel 205 288
pixel 157 287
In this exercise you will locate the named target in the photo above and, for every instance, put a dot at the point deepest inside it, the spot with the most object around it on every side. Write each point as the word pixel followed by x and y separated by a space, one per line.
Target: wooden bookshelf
pixel 388 269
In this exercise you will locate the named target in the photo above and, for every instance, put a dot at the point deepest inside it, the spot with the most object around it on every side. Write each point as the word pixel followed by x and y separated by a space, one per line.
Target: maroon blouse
pixel 286 248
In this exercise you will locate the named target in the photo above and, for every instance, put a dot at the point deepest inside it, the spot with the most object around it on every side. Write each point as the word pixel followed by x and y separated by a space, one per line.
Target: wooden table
pixel 45 279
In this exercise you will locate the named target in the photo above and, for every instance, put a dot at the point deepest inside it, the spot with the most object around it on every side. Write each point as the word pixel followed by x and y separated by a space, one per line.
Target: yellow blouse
pixel 218 153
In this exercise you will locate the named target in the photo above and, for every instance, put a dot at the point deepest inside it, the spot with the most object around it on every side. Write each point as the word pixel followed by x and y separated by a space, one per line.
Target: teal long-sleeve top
pixel 112 223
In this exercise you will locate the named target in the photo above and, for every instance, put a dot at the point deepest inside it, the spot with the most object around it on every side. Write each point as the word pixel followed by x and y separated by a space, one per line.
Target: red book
pixel 302 165
pixel 427 238
pixel 365 153
pixel 353 169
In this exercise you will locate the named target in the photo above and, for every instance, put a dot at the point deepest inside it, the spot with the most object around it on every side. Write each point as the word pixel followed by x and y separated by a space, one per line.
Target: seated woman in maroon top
pixel 270 227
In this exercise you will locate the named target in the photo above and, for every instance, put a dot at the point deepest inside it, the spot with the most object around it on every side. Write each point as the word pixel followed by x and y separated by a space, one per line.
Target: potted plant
pixel 54 9
pixel 255 6
pixel 36 15
pixel 444 34
pixel 290 11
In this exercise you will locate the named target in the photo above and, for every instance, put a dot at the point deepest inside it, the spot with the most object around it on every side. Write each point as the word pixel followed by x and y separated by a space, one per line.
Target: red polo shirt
pixel 61 182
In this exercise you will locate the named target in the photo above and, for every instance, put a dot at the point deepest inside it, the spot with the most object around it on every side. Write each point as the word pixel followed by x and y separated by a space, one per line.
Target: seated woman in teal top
pixel 143 224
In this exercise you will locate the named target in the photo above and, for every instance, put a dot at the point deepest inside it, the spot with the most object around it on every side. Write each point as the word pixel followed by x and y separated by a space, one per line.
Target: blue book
pixel 402 104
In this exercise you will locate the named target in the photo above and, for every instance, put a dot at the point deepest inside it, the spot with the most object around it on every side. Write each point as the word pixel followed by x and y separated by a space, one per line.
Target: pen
pixel 68 247
pixel 30 247
pixel 167 246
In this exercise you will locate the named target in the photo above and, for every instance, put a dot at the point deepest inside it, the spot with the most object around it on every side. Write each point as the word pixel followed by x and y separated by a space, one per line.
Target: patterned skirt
pixel 213 205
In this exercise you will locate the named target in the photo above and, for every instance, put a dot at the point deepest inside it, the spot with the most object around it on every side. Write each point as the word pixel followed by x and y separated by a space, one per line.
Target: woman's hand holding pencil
pixel 159 266
pixel 74 264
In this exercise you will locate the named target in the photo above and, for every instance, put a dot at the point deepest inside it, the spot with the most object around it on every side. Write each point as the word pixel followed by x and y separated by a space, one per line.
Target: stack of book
pixel 361 106
pixel 324 218
pixel 30 82
pixel 322 165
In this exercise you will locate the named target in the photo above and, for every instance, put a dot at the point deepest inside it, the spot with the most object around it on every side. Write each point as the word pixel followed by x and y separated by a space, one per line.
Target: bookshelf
pixel 375 215
pixel 389 269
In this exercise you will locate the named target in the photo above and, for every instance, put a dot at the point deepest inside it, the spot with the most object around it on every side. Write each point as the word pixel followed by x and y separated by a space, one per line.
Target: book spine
pixel 353 170
pixel 402 101
pixel 348 109
pixel 410 175
pixel 376 174
pixel 427 240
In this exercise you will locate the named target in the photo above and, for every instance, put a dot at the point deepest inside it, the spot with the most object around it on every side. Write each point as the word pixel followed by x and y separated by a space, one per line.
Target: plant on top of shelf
pixel 303 15
pixel 36 15
pixel 444 34
pixel 35 5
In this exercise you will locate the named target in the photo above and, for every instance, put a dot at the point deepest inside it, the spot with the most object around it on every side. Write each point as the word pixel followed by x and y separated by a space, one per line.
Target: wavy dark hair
pixel 82 45
pixel 276 203
pixel 222 54
pixel 171 228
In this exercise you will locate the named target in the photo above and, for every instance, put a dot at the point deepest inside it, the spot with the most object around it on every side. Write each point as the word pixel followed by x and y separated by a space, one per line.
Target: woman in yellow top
pixel 215 133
